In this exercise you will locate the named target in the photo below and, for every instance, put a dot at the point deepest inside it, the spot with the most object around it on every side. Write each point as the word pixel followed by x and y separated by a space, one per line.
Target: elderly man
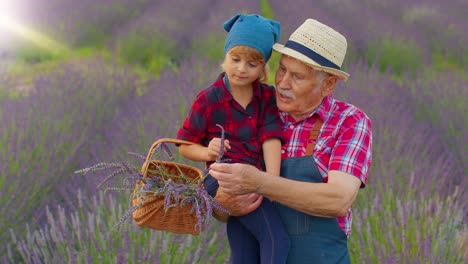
pixel 325 157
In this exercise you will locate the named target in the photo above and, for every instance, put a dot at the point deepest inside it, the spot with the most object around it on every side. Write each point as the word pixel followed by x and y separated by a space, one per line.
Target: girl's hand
pixel 214 148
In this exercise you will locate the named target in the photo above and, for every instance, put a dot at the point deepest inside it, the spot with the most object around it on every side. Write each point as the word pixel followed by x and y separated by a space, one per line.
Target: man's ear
pixel 328 84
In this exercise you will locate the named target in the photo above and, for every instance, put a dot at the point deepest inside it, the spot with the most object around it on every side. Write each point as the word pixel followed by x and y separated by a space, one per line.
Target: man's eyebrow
pixel 292 71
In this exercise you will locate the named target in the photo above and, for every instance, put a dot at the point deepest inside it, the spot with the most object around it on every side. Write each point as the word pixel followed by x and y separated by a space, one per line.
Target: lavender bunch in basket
pixel 177 184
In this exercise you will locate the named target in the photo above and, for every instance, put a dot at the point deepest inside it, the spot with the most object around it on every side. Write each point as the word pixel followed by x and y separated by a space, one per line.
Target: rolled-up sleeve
pixel 353 149
pixel 195 124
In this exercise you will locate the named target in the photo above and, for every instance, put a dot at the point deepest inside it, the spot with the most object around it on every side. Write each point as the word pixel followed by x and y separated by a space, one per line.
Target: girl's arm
pixel 272 156
pixel 197 152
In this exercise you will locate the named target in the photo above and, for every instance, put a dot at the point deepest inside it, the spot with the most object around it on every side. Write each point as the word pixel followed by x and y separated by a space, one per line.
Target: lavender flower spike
pixel 221 149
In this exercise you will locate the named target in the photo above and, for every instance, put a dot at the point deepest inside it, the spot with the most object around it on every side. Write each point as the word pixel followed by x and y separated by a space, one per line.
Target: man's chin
pixel 283 104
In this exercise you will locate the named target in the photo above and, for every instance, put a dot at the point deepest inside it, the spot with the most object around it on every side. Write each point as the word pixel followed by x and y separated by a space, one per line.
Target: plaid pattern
pixel 246 129
pixel 344 143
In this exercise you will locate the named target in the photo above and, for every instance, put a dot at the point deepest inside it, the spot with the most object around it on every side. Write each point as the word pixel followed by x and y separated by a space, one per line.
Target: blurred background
pixel 83 82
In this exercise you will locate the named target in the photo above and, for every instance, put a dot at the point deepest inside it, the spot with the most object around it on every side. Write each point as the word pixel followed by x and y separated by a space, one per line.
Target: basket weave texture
pixel 152 214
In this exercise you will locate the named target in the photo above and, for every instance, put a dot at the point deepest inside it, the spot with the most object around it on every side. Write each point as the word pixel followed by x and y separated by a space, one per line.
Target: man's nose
pixel 283 81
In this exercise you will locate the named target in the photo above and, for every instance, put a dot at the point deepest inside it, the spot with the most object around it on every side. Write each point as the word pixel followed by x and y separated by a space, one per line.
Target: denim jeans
pixel 258 237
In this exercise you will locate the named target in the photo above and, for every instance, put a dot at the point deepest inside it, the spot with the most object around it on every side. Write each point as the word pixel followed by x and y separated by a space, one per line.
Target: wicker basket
pixel 151 214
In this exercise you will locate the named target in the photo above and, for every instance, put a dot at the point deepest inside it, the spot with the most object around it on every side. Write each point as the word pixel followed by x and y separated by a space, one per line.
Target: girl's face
pixel 242 69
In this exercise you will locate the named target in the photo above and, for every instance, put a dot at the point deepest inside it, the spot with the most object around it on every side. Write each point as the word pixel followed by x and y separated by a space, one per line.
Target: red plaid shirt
pixel 246 129
pixel 344 143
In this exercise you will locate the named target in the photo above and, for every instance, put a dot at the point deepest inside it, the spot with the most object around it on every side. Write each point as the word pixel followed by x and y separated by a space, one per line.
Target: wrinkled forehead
pixel 296 65
pixel 303 67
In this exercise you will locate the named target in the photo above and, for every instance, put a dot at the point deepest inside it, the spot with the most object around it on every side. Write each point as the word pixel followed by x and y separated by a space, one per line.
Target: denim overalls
pixel 313 239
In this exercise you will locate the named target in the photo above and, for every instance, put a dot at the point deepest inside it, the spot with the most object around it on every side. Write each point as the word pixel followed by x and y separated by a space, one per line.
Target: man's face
pixel 294 79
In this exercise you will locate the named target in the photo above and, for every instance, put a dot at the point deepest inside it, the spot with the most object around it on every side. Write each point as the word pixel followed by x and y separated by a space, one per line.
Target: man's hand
pixel 238 205
pixel 237 178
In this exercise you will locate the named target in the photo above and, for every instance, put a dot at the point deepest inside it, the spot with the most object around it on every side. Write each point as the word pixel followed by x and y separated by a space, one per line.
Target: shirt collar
pixel 323 110
pixel 223 93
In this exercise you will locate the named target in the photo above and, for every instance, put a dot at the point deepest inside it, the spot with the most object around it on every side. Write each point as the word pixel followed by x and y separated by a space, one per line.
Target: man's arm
pixel 330 199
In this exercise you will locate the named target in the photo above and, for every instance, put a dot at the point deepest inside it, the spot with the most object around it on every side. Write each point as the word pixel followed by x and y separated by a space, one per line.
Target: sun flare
pixel 7 9
pixel 10 23
pixel 6 22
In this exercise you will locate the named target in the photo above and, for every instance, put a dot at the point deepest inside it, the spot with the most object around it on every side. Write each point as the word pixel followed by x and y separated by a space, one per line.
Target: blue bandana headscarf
pixel 253 31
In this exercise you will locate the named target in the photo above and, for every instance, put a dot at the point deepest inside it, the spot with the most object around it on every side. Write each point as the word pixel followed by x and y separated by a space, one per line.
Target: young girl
pixel 246 109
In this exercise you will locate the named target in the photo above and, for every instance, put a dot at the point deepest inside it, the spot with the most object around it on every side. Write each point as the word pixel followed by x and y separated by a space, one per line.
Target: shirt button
pixel 250 117
pixel 291 126
pixel 282 151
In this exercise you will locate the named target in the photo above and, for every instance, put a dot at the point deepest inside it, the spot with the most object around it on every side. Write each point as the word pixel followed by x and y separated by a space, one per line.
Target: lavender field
pixel 88 81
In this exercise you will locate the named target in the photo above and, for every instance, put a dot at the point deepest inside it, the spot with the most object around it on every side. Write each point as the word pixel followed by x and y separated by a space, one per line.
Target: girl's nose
pixel 242 67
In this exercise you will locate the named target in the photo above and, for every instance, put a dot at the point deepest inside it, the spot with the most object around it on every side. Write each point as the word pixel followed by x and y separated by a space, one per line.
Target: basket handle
pixel 156 143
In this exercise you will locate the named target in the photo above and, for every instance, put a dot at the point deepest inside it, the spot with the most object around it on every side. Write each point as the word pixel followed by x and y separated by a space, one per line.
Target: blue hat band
pixel 311 54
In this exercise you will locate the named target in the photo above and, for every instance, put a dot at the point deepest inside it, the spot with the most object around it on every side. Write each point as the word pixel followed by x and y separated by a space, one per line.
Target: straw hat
pixel 317 45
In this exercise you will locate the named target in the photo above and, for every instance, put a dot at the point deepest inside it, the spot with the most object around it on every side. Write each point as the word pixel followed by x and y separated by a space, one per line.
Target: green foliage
pixel 210 47
pixel 152 53
pixel 91 52
pixel 267 10
pixel 408 227
pixel 91 35
pixel 51 134
pixel 450 100
pixel 8 94
pixel 32 54
pixel 273 65
pixel 102 19
pixel 448 62
pixel 395 54
pixel 90 234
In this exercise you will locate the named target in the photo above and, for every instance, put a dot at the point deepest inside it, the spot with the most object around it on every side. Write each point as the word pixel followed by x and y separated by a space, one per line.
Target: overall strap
pixel 314 133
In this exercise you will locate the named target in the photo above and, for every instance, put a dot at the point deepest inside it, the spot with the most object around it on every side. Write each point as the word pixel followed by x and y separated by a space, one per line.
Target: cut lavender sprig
pixel 98 167
pixel 137 155
pixel 120 168
pixel 173 193
pixel 168 151
pixel 171 157
pixel 221 149
pixel 112 175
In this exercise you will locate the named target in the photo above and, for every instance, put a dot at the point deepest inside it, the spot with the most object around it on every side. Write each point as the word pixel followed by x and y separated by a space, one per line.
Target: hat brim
pixel 299 56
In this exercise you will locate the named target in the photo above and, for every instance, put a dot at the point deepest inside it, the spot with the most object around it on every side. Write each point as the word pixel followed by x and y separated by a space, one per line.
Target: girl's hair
pixel 252 54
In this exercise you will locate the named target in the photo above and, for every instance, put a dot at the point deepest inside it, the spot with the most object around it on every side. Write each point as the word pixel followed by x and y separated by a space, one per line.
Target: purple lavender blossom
pixel 221 150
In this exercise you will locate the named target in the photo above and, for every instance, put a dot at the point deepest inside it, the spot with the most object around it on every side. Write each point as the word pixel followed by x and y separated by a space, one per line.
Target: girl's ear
pixel 228 24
